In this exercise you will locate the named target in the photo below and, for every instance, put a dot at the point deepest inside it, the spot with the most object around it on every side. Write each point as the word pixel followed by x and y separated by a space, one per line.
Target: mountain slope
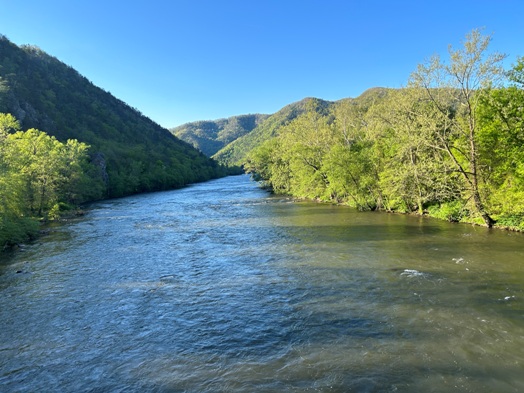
pixel 212 135
pixel 235 152
pixel 133 153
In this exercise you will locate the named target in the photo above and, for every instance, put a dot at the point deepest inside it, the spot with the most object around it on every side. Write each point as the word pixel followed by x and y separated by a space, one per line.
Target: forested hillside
pixel 134 153
pixel 64 141
pixel 450 144
pixel 212 135
pixel 235 152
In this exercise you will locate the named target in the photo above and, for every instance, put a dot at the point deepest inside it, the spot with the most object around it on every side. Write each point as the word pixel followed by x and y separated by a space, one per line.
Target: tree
pixel 8 125
pixel 304 143
pixel 9 195
pixel 413 174
pixel 349 166
pixel 501 143
pixel 15 226
pixel 454 90
pixel 291 163
pixel 516 74
pixel 42 170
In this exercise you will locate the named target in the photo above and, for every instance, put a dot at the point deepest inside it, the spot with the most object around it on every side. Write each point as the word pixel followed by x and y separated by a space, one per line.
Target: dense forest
pixel 450 144
pixel 210 136
pixel 236 151
pixel 50 113
pixel 138 155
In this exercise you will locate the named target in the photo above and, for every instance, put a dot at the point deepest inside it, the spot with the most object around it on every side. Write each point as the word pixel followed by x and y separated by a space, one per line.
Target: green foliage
pixel 58 210
pixel 450 145
pixel 8 124
pixel 501 146
pixel 131 153
pixel 15 230
pixel 454 90
pixel 413 173
pixel 314 157
pixel 453 211
pixel 211 136
pixel 350 178
pixel 235 153
pixel 513 222
pixel 46 170
pixel 40 178
pixel 516 74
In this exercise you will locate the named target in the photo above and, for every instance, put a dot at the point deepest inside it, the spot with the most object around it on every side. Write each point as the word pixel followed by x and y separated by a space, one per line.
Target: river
pixel 222 287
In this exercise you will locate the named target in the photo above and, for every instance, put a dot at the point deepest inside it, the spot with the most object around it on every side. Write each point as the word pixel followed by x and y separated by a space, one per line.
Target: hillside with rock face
pixel 135 153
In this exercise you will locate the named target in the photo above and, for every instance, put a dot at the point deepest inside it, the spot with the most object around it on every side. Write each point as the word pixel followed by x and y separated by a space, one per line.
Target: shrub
pixel 450 211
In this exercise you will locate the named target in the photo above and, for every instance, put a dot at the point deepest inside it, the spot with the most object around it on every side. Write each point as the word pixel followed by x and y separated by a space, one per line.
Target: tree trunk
pixel 481 210
pixel 474 175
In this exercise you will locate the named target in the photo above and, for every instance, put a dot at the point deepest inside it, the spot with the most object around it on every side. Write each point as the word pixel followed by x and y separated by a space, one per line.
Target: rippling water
pixel 220 287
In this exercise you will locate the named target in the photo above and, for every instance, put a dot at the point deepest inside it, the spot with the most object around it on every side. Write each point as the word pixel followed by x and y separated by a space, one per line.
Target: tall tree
pixel 414 173
pixel 44 170
pixel 501 136
pixel 10 194
pixel 454 89
pixel 304 143
pixel 349 166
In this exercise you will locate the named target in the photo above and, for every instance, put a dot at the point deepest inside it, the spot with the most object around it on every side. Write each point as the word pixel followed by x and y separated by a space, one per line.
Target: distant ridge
pixel 236 151
pixel 230 140
pixel 209 136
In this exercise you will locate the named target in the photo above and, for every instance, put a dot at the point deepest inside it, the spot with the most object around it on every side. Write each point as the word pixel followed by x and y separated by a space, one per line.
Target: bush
pixel 450 211
pixel 514 222
pixel 58 210
pixel 16 230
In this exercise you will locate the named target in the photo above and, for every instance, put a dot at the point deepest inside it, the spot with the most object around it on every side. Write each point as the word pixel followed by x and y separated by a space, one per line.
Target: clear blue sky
pixel 186 60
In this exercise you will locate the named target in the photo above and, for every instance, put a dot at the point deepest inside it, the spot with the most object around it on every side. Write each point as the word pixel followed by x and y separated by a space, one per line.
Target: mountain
pixel 212 135
pixel 229 140
pixel 235 152
pixel 133 153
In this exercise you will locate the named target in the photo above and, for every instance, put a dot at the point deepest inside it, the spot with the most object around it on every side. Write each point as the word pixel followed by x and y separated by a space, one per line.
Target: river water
pixel 221 287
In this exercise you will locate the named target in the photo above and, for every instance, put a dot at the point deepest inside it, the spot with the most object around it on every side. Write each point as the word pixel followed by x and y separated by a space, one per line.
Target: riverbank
pixel 222 287
pixel 16 230
pixel 449 212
